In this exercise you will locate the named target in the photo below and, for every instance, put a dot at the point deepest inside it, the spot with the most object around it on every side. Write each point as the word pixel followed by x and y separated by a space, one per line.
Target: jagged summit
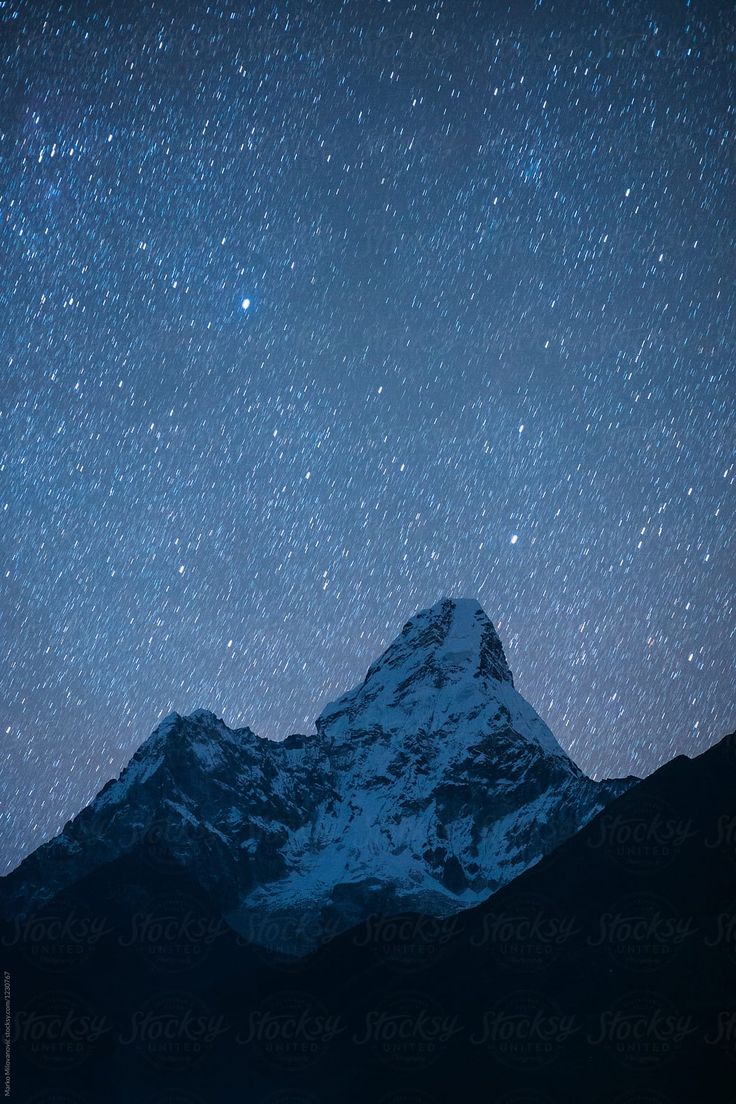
pixel 453 637
pixel 177 721
pixel 445 673
pixel 200 740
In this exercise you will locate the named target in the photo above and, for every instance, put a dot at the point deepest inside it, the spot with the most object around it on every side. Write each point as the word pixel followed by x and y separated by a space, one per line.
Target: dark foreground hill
pixel 606 973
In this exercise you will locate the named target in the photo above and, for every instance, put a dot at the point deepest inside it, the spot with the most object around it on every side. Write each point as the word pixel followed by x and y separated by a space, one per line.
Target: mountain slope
pixel 611 963
pixel 427 787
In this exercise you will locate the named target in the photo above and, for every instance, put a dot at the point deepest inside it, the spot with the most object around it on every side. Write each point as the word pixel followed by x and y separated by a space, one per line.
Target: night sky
pixel 313 313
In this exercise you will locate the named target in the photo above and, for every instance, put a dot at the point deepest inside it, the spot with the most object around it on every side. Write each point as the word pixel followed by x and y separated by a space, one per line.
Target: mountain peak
pixel 460 633
pixel 453 638
pixel 447 663
pixel 199 739
pixel 196 723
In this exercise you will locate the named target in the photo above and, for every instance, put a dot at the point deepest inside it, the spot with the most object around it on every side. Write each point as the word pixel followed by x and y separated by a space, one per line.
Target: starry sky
pixel 314 312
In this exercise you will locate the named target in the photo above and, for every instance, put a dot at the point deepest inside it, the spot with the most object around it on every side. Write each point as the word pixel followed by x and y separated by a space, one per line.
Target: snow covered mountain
pixel 427 788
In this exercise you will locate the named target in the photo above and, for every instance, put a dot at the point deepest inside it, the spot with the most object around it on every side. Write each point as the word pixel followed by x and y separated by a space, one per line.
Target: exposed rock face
pixel 428 787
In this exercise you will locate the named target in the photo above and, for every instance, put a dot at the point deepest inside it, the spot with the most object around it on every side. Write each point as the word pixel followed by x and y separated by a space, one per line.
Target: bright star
pixel 246 304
